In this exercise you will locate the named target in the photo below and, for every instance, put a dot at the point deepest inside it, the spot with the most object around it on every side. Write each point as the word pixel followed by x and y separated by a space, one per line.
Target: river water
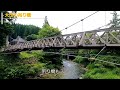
pixel 71 70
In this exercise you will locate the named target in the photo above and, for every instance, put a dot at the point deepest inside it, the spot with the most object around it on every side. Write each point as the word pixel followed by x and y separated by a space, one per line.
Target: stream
pixel 71 70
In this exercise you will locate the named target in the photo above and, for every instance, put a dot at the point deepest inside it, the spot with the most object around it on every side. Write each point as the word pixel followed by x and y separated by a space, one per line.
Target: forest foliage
pixel 27 32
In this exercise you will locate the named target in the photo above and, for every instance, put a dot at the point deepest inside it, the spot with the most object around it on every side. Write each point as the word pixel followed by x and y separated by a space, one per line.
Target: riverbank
pixel 52 76
pixel 84 70
pixel 70 70
pixel 48 75
pixel 100 70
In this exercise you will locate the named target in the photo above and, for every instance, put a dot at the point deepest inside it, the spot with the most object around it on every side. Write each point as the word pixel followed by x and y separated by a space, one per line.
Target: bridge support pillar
pixel 67 57
pixel 7 42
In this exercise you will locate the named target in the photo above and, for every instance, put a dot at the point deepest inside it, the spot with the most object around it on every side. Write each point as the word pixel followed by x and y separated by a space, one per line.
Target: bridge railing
pixel 94 38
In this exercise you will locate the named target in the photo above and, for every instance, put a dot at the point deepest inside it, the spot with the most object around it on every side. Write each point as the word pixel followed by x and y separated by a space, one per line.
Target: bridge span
pixel 109 37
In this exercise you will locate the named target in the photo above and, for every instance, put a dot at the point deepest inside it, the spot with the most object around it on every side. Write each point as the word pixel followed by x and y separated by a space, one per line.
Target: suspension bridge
pixel 98 38
pixel 88 39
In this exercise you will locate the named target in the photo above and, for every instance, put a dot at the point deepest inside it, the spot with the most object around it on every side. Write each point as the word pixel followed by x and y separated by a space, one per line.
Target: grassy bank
pixel 99 69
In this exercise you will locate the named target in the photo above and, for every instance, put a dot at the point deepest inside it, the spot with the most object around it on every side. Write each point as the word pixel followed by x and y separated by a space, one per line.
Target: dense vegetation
pixel 25 31
pixel 20 67
pixel 26 65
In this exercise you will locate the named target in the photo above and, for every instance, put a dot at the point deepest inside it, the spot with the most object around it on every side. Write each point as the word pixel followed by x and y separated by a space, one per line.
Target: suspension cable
pixel 103 61
pixel 108 62
pixel 80 20
pixel 100 51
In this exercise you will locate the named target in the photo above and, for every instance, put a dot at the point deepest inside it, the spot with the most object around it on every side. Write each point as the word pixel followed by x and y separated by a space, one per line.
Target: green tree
pixel 24 30
pixel 48 31
pixel 6 28
pixel 115 22
pixel 31 37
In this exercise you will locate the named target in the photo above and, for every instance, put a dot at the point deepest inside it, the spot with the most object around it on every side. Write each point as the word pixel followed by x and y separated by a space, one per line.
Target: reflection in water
pixel 71 70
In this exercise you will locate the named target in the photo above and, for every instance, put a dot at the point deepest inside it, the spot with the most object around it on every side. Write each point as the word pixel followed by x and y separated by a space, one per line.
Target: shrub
pixel 25 55
pixel 108 75
pixel 102 73
pixel 22 71
pixel 80 59
pixel 94 65
pixel 116 71
pixel 36 68
pixel 17 72
pixel 109 58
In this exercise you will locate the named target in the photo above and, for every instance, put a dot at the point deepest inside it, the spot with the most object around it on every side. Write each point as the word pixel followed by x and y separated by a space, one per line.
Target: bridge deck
pixel 109 37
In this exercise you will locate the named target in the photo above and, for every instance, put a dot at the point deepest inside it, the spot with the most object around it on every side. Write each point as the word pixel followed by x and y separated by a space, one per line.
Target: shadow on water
pixel 71 70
